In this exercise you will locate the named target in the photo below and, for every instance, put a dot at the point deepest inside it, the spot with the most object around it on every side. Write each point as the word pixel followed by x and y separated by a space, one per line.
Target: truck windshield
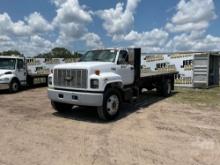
pixel 99 55
pixel 7 63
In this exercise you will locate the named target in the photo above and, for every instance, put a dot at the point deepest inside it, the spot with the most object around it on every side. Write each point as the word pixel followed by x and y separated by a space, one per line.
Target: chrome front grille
pixel 70 78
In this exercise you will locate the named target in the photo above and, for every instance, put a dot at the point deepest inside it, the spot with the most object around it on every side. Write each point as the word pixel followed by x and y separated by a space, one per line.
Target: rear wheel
pixel 111 105
pixel 14 86
pixel 166 88
pixel 61 107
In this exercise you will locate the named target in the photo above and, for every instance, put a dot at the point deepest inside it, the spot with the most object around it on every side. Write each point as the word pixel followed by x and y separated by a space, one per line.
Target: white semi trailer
pixel 16 71
pixel 104 79
pixel 196 69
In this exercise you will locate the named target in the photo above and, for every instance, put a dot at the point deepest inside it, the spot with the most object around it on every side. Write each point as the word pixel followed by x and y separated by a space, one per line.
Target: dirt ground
pixel 181 130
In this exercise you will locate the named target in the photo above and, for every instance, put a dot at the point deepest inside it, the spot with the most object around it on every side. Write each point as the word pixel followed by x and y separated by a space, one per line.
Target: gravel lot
pixel 153 131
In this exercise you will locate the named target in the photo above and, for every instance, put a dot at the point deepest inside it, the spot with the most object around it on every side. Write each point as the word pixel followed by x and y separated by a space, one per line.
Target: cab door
pixel 124 68
pixel 21 71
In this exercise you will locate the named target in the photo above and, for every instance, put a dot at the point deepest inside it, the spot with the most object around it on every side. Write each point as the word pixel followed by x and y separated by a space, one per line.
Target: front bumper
pixel 76 98
pixel 4 86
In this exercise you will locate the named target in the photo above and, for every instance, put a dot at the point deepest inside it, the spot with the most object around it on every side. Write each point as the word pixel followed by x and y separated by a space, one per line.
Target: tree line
pixel 10 53
pixel 57 52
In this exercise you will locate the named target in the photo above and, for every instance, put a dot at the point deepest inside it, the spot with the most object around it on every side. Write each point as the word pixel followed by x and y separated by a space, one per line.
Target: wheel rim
pixel 112 105
pixel 15 86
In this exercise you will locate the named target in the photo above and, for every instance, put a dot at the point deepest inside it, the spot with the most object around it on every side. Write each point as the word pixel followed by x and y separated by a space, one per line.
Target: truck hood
pixel 86 65
pixel 3 71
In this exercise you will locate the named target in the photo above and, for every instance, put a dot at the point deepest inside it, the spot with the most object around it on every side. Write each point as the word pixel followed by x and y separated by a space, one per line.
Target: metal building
pixel 196 69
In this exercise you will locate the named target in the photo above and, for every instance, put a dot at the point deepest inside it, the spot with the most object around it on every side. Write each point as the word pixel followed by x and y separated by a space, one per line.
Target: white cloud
pixel 29 46
pixel 71 19
pixel 149 41
pixel 70 25
pixel 192 15
pixel 93 40
pixel 33 45
pixel 58 2
pixel 6 43
pixel 37 23
pixel 71 11
pixel 20 28
pixel 118 21
pixel 156 37
pixel 195 41
pixel 24 35
pixel 4 38
pixel 193 19
pixel 40 42
pixel 71 22
pixel 210 42
pixel 7 26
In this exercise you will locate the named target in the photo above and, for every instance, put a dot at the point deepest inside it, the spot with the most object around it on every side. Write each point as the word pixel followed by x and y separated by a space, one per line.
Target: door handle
pixel 132 68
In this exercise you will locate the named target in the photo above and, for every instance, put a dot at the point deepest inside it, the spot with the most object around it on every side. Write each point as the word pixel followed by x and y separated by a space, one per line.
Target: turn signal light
pixel 97 72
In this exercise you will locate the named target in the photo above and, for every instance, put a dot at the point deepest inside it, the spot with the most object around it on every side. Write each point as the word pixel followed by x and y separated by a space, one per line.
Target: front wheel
pixel 14 86
pixel 61 107
pixel 111 105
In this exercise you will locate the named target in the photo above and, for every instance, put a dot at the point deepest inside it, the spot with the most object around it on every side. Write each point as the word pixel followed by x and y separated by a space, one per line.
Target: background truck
pixel 18 71
pixel 104 79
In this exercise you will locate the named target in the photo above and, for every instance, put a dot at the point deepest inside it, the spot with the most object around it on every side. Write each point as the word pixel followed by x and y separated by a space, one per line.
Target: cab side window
pixel 20 64
pixel 123 57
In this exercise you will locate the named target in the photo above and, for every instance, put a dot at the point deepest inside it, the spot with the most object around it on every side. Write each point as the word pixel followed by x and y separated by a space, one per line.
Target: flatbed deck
pixel 153 74
pixel 38 75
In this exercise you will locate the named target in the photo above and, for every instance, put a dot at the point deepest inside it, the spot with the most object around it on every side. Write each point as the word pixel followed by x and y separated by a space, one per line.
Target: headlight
pixel 94 83
pixel 50 81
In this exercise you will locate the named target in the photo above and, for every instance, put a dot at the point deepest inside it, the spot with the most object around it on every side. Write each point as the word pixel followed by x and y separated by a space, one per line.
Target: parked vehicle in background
pixel 16 71
pixel 104 79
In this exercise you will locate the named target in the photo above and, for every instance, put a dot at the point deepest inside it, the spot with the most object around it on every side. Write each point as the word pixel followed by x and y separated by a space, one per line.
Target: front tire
pixel 14 86
pixel 61 107
pixel 111 105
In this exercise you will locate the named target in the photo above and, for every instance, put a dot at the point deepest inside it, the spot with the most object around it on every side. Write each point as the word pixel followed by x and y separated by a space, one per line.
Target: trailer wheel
pixel 14 86
pixel 166 88
pixel 61 107
pixel 111 105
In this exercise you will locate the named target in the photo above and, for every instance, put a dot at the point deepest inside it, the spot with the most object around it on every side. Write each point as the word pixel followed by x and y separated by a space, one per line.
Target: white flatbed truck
pixel 104 79
pixel 15 73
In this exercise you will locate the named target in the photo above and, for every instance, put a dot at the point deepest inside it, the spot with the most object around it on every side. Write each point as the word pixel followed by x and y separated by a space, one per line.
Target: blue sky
pixel 37 26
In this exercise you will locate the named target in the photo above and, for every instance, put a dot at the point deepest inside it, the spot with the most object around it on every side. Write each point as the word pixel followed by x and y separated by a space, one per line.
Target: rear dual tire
pixel 165 89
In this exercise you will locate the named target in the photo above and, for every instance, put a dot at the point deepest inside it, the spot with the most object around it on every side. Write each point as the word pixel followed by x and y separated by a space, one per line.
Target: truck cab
pixel 103 78
pixel 12 72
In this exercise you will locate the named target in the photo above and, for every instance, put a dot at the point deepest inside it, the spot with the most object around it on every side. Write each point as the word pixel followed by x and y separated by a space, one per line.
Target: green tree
pixel 58 53
pixel 77 55
pixel 11 52
pixel 61 53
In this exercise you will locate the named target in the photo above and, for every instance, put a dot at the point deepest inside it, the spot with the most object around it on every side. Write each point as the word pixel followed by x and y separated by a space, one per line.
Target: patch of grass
pixel 202 97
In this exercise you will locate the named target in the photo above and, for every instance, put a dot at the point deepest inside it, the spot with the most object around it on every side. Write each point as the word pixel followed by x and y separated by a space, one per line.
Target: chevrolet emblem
pixel 68 78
